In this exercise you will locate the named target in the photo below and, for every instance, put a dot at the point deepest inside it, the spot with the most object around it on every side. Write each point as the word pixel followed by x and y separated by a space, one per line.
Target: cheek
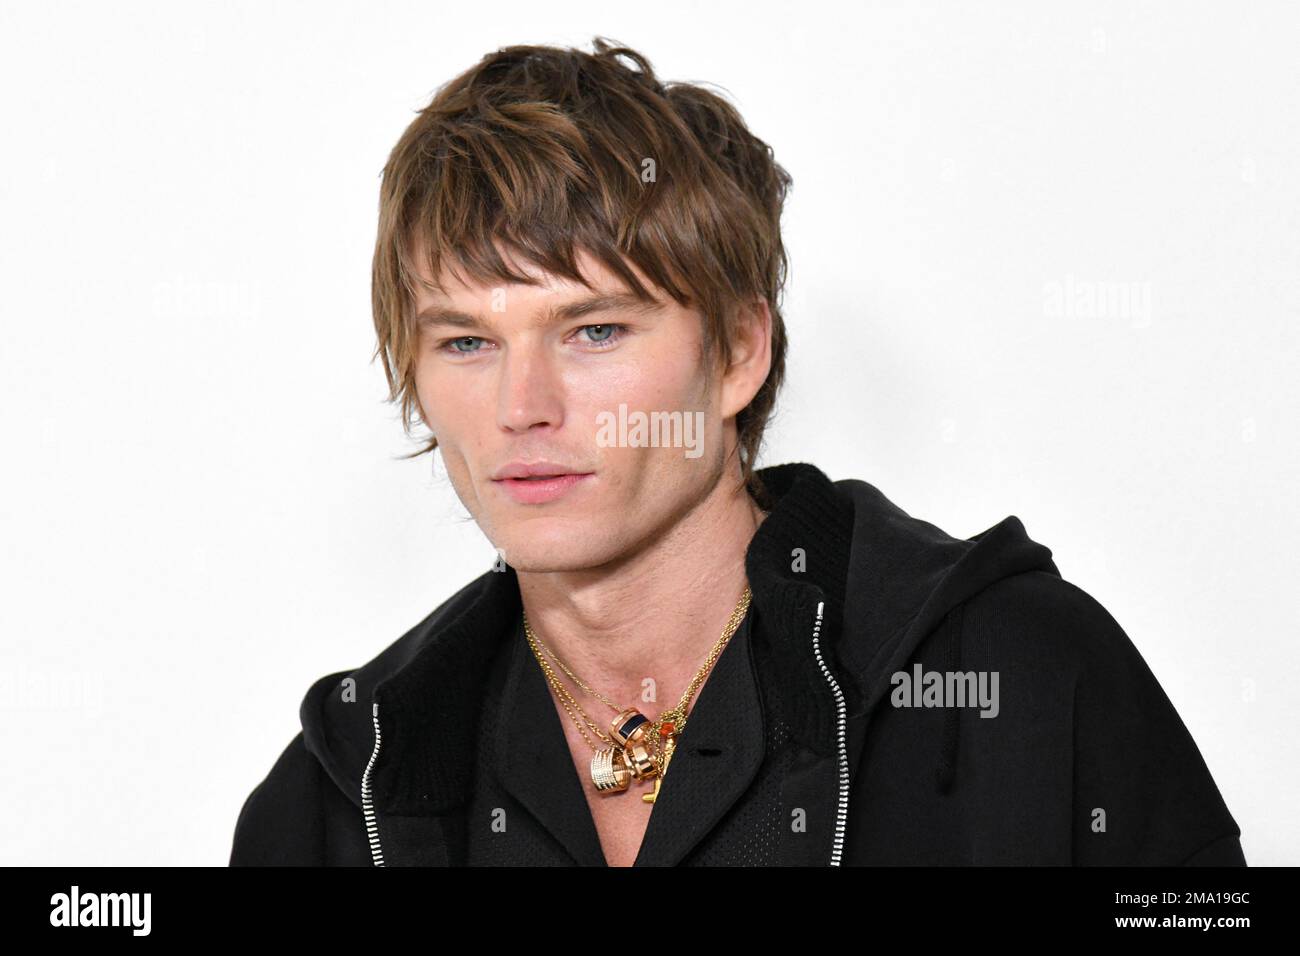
pixel 442 405
pixel 652 380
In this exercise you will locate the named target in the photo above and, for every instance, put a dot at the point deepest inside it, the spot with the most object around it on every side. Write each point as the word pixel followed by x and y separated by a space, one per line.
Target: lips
pixel 542 489
pixel 534 470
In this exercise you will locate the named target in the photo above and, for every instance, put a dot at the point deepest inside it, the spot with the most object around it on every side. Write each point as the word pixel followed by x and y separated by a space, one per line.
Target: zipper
pixel 842 812
pixel 367 807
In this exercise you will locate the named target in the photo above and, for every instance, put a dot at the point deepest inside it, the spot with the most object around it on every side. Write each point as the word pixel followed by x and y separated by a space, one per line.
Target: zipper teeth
pixel 842 812
pixel 367 807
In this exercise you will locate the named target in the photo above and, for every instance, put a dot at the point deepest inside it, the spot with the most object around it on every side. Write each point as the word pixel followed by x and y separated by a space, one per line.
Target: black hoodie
pixel 1080 760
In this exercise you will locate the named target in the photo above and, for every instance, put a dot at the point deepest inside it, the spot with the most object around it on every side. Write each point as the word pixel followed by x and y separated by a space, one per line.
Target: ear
pixel 751 357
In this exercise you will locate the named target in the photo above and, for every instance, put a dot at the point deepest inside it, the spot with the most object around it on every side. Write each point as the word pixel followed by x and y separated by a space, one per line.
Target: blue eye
pixel 463 339
pixel 612 334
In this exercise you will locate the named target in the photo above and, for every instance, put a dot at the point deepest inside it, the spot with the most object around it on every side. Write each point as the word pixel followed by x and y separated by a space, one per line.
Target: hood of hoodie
pixel 835 557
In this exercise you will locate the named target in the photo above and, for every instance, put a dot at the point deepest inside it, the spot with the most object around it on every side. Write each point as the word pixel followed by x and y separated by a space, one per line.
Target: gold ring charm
pixel 630 724
pixel 609 770
pixel 639 760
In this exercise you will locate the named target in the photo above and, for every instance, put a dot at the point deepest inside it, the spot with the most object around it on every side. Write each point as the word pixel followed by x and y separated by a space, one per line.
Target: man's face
pixel 508 383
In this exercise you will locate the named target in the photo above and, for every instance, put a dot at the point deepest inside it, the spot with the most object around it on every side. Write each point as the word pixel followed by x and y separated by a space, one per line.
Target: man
pixel 679 659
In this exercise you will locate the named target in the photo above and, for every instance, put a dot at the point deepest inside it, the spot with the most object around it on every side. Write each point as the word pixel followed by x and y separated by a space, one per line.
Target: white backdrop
pixel 1045 262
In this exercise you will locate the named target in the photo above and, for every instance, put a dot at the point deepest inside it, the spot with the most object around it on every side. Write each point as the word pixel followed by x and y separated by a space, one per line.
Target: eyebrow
pixel 566 311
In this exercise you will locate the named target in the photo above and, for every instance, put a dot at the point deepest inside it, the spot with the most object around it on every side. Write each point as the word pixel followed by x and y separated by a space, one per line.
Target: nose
pixel 530 391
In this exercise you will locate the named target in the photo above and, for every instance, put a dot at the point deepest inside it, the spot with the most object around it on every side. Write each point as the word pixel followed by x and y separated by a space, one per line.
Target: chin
pixel 551 562
pixel 558 545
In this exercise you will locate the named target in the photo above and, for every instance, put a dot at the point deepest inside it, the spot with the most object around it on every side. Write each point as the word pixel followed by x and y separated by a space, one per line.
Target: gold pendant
pixel 609 770
pixel 614 768
pixel 670 744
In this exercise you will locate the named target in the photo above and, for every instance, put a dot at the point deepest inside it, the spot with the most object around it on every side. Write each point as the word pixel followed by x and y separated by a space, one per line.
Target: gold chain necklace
pixel 639 748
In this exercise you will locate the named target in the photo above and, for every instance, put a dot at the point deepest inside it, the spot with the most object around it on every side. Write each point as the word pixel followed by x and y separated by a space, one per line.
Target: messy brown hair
pixel 548 151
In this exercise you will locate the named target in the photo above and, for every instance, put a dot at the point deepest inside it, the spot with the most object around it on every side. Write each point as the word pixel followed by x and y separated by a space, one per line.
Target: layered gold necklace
pixel 638 748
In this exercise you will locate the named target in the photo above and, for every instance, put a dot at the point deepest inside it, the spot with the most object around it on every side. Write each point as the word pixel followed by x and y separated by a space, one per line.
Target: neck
pixel 653 614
